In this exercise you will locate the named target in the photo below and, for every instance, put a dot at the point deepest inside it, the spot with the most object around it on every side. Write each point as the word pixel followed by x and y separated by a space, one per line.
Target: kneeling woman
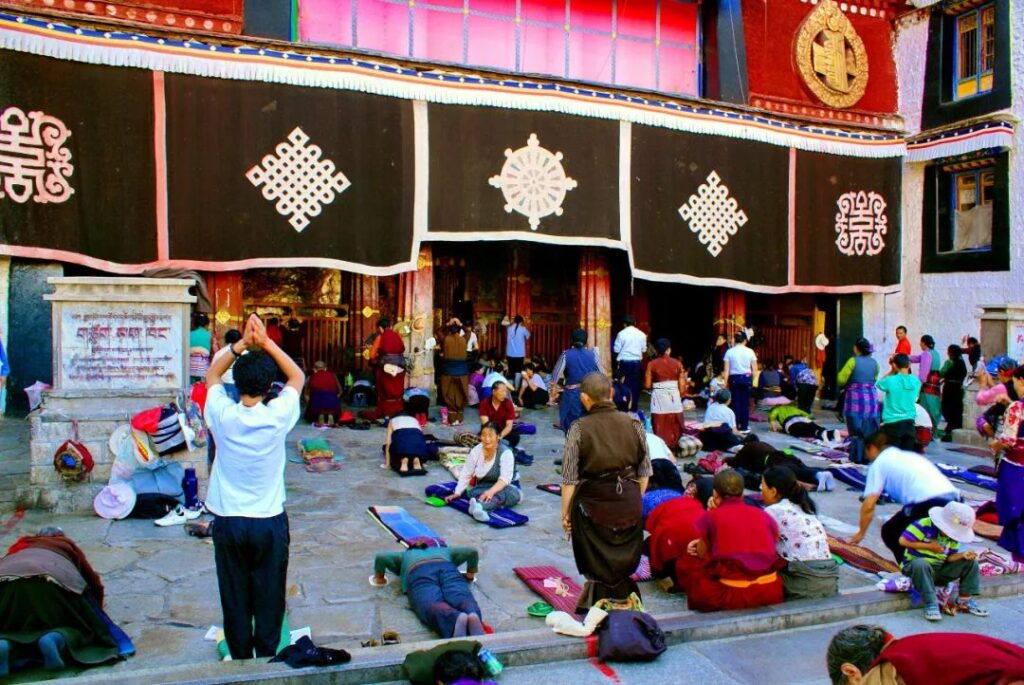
pixel 810 571
pixel 405 446
pixel 438 594
pixel 487 477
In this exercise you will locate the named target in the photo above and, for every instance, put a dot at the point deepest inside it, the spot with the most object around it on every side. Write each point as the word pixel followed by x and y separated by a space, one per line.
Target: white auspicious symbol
pixel 34 164
pixel 300 181
pixel 861 223
pixel 713 215
pixel 533 182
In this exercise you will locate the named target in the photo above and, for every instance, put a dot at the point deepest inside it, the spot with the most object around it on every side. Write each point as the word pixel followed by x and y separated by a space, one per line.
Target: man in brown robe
pixel 604 474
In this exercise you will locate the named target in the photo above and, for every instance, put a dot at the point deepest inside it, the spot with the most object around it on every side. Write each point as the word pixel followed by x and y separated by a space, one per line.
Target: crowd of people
pixel 746 534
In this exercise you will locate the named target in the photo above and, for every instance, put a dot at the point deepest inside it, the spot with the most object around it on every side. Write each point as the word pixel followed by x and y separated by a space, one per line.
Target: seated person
pixel 476 384
pixel 810 570
pixel 736 546
pixel 323 396
pixel 869 654
pixel 622 394
pixel 533 391
pixel 673 526
pixel 933 557
pixel 923 427
pixel 499 410
pixel 769 385
pixel 487 477
pixel 438 594
pixel 797 423
pixel 756 457
pixel 663 485
pixel 720 431
pixel 492 376
pixel 51 606
pixel 405 446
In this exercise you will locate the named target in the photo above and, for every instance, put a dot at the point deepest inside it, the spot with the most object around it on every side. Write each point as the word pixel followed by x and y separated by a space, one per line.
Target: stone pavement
pixel 161 584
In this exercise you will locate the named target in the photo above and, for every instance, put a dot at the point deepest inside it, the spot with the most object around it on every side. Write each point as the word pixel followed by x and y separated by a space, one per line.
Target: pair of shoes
pixel 826 481
pixel 476 510
pixel 180 515
pixel 971 607
pixel 932 613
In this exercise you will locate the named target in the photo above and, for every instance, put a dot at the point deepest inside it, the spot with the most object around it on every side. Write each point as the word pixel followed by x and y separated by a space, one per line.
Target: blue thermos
pixel 190 484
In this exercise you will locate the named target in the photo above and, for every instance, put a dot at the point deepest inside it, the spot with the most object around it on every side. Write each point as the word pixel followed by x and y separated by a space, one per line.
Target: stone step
pixel 528 647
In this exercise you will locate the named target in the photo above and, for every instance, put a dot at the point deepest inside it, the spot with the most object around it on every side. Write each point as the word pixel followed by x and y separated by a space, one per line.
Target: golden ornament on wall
pixel 369 311
pixel 831 56
pixel 223 317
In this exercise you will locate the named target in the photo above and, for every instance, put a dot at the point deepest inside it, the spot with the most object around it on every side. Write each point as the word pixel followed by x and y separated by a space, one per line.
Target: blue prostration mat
pixel 405 527
pixel 500 518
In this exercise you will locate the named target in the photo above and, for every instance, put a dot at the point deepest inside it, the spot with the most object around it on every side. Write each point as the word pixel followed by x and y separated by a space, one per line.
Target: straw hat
pixel 956 520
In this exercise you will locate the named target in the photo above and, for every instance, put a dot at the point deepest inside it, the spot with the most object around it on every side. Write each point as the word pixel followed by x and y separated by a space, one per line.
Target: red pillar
pixel 518 286
pixel 595 302
pixel 730 312
pixel 363 315
pixel 416 318
pixel 225 289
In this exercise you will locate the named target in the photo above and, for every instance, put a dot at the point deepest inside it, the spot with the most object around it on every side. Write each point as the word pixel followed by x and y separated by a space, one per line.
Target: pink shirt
pixel 989 395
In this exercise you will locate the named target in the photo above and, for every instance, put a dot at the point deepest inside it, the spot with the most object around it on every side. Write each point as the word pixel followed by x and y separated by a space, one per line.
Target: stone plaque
pixel 134 347
pixel 120 334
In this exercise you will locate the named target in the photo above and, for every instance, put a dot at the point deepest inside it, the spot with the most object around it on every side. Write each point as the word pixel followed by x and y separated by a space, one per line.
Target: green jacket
pixel 401 563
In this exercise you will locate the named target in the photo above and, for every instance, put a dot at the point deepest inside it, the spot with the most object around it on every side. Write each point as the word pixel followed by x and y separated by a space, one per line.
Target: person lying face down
pixel 870 655
pixel 438 593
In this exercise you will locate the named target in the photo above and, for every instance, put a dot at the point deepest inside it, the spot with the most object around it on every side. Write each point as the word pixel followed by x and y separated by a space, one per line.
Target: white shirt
pixel 630 344
pixel 534 382
pixel 657 449
pixel 472 344
pixel 720 413
pixel 515 344
pixel 402 421
pixel 248 475
pixel 493 377
pixel 922 418
pixel 476 466
pixel 229 375
pixel 741 360
pixel 907 477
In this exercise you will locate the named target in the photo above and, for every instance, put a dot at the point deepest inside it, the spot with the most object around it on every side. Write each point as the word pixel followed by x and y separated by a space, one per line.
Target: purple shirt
pixel 925 363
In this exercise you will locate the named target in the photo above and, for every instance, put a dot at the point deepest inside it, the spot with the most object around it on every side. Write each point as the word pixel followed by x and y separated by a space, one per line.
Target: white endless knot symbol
pixel 34 164
pixel 713 215
pixel 298 179
pixel 861 223
pixel 533 182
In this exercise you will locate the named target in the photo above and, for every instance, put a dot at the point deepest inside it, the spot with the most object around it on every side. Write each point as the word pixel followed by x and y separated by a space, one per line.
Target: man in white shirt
pixel 246 493
pixel 629 347
pixel 915 483
pixel 740 367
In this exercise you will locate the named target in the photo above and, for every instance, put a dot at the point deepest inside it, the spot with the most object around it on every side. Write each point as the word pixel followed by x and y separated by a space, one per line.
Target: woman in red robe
pixel 666 378
pixel 388 356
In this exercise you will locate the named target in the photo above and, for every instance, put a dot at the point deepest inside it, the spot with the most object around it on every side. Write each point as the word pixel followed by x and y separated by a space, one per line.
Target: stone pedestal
pixel 1002 330
pixel 119 347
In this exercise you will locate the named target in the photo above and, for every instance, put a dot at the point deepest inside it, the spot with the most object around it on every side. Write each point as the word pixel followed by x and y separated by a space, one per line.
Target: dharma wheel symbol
pixel 831 56
pixel 533 181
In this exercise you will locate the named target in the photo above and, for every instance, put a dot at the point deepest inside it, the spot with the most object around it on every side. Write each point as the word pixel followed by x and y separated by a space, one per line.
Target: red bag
pixel 198 395
pixel 147 421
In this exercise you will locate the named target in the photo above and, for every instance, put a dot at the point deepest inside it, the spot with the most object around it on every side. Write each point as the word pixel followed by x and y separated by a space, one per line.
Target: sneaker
pixel 932 613
pixel 173 518
pixel 826 481
pixel 971 607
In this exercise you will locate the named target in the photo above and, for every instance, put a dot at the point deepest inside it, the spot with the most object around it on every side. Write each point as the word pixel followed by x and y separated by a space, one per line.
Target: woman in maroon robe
pixel 388 356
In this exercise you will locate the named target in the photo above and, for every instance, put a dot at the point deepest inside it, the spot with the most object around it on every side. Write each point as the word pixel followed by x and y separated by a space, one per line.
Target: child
pixel 899 411
pixel 933 557
pixel 532 390
pixel 476 382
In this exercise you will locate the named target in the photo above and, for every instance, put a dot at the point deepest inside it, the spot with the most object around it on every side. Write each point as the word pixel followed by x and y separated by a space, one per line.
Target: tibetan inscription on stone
pixel 134 348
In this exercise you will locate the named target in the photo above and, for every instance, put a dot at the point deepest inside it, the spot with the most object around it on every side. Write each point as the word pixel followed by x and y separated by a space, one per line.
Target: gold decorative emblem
pixel 223 317
pixel 831 56
pixel 369 311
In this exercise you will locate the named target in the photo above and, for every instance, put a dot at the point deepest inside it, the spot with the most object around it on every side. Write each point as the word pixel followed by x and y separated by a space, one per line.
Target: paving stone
pixel 106 559
pixel 175 564
pixel 134 607
pixel 351 620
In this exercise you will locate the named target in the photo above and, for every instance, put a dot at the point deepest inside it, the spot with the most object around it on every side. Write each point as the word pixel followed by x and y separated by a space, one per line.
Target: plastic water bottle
pixel 349 380
pixel 190 484
pixel 490 662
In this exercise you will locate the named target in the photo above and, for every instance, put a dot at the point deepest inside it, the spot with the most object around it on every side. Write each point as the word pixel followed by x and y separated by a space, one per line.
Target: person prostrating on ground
pixel 246 493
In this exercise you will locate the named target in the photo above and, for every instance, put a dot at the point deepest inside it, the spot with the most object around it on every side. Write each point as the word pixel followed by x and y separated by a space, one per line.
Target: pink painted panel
pixel 437 35
pixel 590 57
pixel 679 22
pixel 637 18
pixel 325 21
pixel 492 42
pixel 542 50
pixel 383 26
pixel 634 64
pixel 678 71
pixel 591 14
pixel 551 11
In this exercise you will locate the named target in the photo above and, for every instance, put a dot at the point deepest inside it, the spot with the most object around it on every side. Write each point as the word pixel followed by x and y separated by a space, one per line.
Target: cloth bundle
pixel 304 653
